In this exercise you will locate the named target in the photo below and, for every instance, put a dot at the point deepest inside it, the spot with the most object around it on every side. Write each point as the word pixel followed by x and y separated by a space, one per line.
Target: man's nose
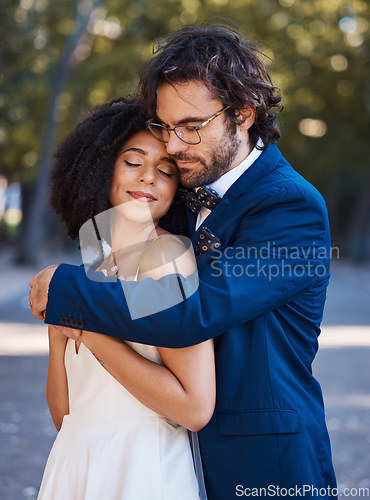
pixel 175 145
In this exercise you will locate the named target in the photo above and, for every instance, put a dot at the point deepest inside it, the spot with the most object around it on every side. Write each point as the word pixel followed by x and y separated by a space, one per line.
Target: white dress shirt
pixel 226 180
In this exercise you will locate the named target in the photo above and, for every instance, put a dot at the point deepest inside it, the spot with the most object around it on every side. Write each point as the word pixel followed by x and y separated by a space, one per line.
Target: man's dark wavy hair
pixel 83 165
pixel 226 63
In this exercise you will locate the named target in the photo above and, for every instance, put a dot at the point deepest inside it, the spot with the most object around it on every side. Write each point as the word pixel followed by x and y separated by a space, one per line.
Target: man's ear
pixel 245 118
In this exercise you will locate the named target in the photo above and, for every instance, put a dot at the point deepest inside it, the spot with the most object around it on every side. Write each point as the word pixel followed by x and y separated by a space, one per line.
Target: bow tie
pixel 204 197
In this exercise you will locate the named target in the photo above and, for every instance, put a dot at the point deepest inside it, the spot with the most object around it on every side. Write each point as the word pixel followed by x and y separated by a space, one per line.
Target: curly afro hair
pixel 84 163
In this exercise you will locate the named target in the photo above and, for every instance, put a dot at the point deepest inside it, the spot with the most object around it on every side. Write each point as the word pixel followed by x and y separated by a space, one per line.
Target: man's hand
pixel 39 291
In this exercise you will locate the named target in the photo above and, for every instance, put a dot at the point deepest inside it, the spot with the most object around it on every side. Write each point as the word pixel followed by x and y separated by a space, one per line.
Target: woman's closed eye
pixel 130 164
pixel 165 173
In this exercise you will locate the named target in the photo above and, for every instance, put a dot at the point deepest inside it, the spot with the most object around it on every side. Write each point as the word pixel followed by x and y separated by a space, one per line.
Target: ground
pixel 341 366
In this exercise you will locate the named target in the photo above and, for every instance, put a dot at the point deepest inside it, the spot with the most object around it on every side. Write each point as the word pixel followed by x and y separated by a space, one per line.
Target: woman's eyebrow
pixel 144 153
pixel 169 160
pixel 137 150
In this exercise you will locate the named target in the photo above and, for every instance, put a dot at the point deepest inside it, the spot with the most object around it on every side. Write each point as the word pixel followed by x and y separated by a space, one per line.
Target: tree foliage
pixel 318 52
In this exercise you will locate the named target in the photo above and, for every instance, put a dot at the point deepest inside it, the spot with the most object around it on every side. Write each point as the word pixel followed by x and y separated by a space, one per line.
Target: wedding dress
pixel 110 446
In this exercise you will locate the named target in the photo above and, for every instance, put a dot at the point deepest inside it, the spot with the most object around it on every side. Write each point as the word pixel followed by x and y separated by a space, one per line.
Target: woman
pixel 122 409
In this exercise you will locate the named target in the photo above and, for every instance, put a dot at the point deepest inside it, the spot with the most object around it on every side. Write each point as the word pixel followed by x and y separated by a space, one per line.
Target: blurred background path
pixel 342 367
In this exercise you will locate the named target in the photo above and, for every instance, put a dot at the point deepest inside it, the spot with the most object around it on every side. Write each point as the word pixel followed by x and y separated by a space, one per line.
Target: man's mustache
pixel 185 157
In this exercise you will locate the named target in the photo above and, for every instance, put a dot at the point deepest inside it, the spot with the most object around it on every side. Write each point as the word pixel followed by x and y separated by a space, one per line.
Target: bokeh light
pixel 312 127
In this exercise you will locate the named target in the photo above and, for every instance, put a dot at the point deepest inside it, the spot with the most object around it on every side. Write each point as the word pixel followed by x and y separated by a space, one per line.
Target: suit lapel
pixel 264 164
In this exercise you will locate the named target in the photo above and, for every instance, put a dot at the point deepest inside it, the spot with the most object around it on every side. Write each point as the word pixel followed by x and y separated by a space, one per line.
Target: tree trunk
pixel 32 228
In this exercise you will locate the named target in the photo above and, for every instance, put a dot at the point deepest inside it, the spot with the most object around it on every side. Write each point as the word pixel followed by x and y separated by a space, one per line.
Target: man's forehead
pixel 181 100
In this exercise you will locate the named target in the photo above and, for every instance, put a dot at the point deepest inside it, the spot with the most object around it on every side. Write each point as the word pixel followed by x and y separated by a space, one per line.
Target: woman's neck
pixel 127 234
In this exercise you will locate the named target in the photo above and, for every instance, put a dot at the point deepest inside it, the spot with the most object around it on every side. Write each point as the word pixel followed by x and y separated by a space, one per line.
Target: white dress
pixel 110 446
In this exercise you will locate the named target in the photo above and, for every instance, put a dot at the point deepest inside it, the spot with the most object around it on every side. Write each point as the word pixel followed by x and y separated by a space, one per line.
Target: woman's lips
pixel 140 195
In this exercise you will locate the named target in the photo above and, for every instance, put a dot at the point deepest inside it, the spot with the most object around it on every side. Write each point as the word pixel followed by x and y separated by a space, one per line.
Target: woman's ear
pixel 245 118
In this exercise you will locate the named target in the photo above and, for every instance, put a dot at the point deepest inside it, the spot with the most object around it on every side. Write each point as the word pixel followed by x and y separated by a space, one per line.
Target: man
pixel 263 261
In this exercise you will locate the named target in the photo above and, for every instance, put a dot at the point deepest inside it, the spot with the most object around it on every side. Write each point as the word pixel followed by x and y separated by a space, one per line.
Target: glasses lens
pixel 159 132
pixel 190 135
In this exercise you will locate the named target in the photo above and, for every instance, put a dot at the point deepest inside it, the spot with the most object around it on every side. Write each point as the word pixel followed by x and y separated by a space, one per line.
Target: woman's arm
pixel 184 389
pixel 282 244
pixel 56 385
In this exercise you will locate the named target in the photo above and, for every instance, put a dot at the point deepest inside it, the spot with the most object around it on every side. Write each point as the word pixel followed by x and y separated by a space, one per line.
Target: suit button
pixel 74 323
pixel 62 320
pixel 68 322
pixel 80 323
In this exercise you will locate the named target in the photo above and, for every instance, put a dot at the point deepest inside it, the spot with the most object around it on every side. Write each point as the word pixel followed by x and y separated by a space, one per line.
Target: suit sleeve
pixel 280 250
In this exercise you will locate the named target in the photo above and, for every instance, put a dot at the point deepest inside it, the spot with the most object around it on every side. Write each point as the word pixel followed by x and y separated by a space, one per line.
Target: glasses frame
pixel 194 127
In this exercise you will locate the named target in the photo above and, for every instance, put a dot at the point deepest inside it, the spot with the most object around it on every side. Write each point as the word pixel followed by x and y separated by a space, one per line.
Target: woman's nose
pixel 147 175
pixel 175 144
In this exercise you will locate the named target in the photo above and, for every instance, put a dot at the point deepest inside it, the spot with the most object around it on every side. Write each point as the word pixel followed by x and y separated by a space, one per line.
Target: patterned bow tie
pixel 204 197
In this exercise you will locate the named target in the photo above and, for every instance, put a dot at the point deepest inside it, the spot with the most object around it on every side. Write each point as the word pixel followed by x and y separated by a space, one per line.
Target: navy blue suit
pixel 261 296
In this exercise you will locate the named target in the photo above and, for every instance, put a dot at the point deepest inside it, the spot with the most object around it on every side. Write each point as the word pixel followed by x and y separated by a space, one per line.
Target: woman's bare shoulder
pixel 167 254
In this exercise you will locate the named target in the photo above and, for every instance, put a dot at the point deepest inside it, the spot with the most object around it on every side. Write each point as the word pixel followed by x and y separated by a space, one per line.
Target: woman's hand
pixel 56 334
pixel 64 332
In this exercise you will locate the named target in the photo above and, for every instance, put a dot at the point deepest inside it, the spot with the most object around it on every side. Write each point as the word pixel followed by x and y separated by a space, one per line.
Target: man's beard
pixel 219 162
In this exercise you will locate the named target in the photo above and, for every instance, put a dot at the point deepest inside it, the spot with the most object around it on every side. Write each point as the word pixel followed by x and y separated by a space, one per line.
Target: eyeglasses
pixel 186 133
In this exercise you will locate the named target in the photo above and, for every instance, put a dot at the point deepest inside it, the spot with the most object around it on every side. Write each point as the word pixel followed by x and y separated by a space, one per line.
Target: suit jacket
pixel 261 296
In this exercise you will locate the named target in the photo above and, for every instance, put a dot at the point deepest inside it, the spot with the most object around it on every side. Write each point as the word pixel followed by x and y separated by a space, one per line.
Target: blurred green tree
pixel 318 53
